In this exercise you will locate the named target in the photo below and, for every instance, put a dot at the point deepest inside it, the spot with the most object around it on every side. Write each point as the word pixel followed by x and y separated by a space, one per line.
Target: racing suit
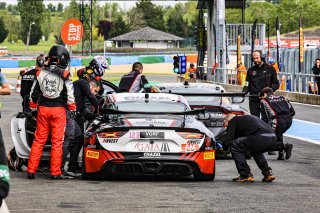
pixel 133 82
pixel 277 112
pixel 26 84
pixel 249 135
pixel 259 77
pixel 316 71
pixel 52 92
pixel 4 171
pixel 81 93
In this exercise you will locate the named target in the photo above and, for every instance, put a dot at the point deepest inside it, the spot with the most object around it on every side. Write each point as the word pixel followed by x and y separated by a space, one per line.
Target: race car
pixel 214 99
pixel 148 134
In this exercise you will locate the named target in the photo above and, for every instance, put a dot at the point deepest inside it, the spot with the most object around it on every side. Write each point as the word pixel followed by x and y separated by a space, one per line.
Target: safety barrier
pixel 300 83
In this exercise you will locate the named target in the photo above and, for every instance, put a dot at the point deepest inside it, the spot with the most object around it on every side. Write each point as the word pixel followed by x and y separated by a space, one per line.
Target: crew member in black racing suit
pixel 134 81
pixel 277 112
pixel 27 82
pixel 84 89
pixel 259 76
pixel 248 134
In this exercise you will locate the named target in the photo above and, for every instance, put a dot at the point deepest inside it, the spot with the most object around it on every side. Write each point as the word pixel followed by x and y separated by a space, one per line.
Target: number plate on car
pixel 151 134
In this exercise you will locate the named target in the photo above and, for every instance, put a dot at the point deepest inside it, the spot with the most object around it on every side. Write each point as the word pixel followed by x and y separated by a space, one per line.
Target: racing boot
pixel 75 172
pixel 31 176
pixel 288 149
pixel 281 155
pixel 60 177
pixel 268 175
pixel 248 179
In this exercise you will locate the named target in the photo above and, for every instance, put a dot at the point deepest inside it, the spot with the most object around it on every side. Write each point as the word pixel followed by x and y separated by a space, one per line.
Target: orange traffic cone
pixel 18 87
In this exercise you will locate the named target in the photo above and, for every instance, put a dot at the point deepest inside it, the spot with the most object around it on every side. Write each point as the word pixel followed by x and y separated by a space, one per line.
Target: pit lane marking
pixel 305 131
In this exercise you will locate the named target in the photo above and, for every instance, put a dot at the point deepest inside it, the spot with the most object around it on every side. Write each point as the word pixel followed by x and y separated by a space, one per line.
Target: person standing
pixel 135 80
pixel 51 93
pixel 277 112
pixel 249 135
pixel 259 76
pixel 27 81
pixel 241 74
pixel 316 71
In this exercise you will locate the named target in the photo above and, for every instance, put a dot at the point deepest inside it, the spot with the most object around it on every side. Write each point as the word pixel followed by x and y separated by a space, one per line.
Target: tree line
pixel 110 20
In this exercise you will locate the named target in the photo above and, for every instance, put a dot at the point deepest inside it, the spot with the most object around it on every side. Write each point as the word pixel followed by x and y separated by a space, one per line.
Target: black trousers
pixel 254 108
pixel 284 123
pixel 254 146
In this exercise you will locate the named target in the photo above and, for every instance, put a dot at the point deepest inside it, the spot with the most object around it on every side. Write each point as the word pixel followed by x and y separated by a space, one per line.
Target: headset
pixel 262 56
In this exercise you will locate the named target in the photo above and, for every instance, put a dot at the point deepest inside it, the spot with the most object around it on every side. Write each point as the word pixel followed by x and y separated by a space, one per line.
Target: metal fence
pixel 302 83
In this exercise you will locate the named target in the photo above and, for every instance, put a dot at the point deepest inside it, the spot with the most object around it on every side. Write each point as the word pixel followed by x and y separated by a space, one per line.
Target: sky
pixel 124 4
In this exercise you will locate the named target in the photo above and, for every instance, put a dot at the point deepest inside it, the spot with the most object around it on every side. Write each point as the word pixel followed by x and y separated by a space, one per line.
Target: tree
pixel 31 12
pixel 46 24
pixel 2 5
pixel 104 28
pixel 60 7
pixel 175 23
pixel 13 9
pixel 3 31
pixel 134 20
pixel 112 11
pixel 12 23
pixel 152 14
pixel 118 27
pixel 72 11
pixel 51 8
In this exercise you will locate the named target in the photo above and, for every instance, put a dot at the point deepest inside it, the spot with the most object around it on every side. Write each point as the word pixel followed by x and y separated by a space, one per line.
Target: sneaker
pixel 268 176
pixel 281 155
pixel 244 179
pixel 271 153
pixel 31 176
pixel 75 172
pixel 288 149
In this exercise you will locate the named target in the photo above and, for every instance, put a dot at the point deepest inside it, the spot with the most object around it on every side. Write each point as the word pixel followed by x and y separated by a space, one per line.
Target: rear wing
pixel 119 112
pixel 232 95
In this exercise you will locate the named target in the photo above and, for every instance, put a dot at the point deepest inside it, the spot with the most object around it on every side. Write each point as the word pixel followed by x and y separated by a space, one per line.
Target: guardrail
pixel 299 82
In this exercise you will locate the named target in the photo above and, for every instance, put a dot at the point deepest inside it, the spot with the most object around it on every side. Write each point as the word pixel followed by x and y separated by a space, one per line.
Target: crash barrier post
pixel 224 75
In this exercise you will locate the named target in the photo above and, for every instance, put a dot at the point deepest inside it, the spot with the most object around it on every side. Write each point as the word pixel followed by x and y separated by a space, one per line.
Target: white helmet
pixel 99 64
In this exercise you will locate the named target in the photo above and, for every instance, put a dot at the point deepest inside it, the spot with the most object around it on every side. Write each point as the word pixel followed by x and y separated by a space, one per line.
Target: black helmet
pixel 59 55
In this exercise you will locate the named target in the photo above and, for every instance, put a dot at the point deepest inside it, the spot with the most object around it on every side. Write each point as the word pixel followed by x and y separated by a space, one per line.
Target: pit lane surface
pixel 296 188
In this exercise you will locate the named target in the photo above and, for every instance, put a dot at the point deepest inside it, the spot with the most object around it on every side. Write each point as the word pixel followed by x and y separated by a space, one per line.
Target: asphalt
pixel 296 188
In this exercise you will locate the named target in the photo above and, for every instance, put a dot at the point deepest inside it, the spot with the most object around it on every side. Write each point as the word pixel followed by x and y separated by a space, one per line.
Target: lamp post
pixel 28 35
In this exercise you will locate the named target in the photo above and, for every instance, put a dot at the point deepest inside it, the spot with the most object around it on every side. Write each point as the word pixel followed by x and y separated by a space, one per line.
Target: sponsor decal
pixel 92 146
pixel 165 147
pixel 146 147
pixel 189 147
pixel 110 140
pixel 209 148
pixel 152 98
pixel 208 156
pixel 254 72
pixel 193 142
pixel 92 154
pixel 152 154
pixel 217 114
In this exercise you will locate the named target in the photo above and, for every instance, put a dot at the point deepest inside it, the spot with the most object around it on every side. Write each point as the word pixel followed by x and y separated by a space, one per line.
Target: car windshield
pixel 153 106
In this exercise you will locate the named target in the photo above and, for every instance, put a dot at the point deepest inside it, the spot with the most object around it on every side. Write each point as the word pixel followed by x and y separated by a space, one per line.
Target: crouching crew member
pixel 52 92
pixel 277 112
pixel 249 135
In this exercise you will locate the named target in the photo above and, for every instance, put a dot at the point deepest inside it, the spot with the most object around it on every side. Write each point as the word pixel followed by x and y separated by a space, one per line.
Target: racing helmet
pixel 59 56
pixel 99 64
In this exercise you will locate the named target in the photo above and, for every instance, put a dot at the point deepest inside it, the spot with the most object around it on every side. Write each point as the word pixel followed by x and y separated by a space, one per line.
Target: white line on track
pixel 302 139
pixel 304 104
pixel 307 122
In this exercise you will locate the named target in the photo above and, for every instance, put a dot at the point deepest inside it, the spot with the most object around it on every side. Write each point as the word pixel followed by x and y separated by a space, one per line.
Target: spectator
pixel 259 76
pixel 135 80
pixel 52 92
pixel 316 71
pixel 277 112
pixel 249 135
pixel 5 88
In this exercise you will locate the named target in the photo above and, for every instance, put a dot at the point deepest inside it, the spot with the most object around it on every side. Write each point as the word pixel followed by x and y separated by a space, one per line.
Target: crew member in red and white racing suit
pixel 51 93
